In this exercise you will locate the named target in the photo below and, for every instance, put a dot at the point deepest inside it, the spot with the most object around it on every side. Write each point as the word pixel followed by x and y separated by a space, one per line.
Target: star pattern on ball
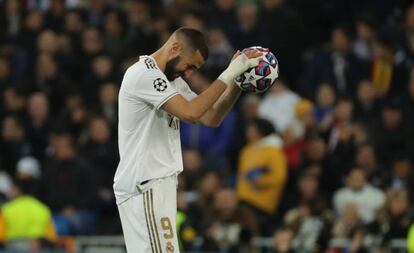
pixel 160 84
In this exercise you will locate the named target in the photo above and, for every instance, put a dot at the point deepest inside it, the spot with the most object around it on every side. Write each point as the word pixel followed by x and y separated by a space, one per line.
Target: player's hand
pixel 240 63
pixel 249 54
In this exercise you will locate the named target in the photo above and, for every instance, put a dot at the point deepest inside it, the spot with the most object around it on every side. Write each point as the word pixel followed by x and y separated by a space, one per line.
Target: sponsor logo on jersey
pixel 173 122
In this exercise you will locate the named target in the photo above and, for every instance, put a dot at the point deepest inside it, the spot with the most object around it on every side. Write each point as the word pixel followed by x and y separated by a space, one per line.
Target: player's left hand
pixel 241 62
pixel 250 54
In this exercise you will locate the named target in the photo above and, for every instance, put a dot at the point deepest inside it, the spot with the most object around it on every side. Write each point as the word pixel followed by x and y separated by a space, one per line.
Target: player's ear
pixel 175 49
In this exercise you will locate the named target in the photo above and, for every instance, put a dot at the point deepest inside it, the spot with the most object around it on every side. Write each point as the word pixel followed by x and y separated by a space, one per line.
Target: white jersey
pixel 148 138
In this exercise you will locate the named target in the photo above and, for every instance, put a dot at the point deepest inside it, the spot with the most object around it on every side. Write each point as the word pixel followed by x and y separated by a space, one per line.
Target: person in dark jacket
pixel 70 188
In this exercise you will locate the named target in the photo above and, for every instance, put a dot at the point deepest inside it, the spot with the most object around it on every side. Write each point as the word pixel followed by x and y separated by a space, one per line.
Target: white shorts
pixel 149 218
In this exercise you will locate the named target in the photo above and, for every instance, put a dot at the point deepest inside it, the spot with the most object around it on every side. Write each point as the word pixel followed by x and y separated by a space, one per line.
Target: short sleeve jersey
pixel 148 137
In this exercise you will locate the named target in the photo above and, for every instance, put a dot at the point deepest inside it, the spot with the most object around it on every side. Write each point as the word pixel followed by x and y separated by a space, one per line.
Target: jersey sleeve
pixel 154 88
pixel 184 89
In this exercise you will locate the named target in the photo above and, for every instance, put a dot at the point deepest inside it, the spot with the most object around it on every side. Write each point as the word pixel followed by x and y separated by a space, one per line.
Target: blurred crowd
pixel 325 156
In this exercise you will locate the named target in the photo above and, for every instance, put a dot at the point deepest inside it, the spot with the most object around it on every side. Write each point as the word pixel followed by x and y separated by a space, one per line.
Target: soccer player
pixel 152 99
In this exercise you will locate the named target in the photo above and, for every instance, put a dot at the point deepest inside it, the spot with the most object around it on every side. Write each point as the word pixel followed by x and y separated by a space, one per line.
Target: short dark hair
pixel 263 126
pixel 194 39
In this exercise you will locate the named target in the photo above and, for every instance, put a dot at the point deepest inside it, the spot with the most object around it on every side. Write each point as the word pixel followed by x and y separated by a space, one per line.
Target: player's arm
pixel 193 111
pixel 216 114
pixel 219 110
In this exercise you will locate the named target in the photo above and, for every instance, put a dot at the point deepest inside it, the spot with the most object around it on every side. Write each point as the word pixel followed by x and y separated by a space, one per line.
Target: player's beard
pixel 170 69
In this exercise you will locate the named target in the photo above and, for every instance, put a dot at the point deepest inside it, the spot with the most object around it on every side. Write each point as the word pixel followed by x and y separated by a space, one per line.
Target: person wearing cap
pixel 25 221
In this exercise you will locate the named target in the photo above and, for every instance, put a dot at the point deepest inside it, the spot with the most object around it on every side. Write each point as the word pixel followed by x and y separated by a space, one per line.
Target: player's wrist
pixel 235 68
pixel 227 79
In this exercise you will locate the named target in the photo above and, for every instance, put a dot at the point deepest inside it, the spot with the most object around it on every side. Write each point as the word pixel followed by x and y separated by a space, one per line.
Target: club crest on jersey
pixel 170 247
pixel 160 84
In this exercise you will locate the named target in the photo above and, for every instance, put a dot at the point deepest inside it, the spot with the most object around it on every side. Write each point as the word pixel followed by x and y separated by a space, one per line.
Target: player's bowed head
pixel 185 51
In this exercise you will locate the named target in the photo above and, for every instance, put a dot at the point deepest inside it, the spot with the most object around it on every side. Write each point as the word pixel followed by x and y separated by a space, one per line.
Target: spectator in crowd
pixel 367 199
pixel 29 168
pixel 390 134
pixel 366 159
pixel 305 115
pixel 294 143
pixel 201 202
pixel 325 104
pixel 248 30
pixel 49 80
pixel 278 106
pixel 14 144
pixel 401 177
pixel 337 66
pixel 389 75
pixel 14 102
pixel 350 227
pixel 309 217
pixel 220 51
pixel 102 153
pixel 366 38
pixel 282 240
pixel 108 104
pixel 395 218
pixel 12 16
pixel 193 171
pixel 222 13
pixel 307 190
pixel 341 138
pixel 348 222
pixel 249 107
pixel 315 154
pixel 231 227
pixel 74 116
pixel 33 24
pixel 38 123
pixel 367 108
pixel 262 171
pixel 296 133
pixel 70 188
pixel 114 26
pixel 140 38
pixel 102 70
pixel 25 222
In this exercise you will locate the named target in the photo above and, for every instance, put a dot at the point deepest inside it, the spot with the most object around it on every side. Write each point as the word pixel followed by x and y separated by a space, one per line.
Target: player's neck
pixel 160 58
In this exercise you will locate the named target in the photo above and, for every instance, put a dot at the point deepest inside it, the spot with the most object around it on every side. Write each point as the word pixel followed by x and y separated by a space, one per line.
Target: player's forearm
pixel 221 108
pixel 205 101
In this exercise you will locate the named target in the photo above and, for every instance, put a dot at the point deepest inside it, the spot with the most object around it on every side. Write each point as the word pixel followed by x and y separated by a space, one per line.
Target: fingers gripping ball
pixel 260 78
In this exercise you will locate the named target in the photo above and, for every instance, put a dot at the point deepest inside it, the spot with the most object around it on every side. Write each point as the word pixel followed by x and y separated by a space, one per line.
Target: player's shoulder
pixel 144 65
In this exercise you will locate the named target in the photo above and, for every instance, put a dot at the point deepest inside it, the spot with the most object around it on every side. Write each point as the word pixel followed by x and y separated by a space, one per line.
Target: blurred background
pixel 322 162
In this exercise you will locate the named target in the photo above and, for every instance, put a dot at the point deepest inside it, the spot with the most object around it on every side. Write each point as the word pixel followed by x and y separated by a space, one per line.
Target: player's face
pixel 183 65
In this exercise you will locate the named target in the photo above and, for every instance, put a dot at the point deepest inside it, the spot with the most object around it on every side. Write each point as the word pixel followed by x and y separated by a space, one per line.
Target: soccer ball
pixel 259 79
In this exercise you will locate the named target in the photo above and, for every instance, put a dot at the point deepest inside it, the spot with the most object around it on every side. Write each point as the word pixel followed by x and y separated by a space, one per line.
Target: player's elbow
pixel 213 124
pixel 192 118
